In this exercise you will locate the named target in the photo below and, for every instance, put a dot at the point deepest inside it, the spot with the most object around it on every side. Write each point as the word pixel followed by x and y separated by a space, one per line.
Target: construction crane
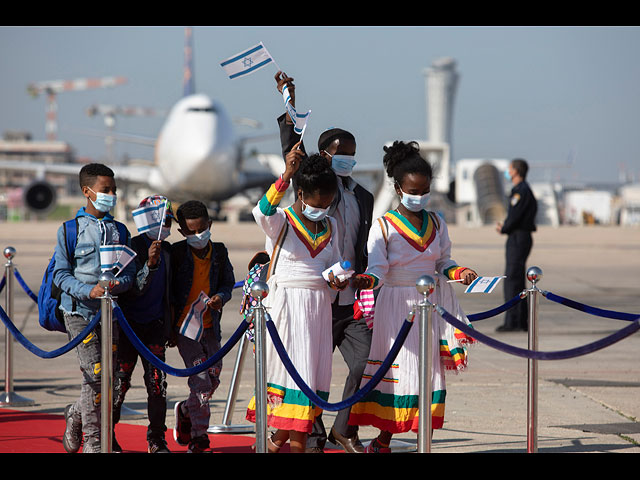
pixel 52 88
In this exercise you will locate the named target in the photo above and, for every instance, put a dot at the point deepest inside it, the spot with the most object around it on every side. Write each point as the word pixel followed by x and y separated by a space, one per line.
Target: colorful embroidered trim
pixel 453 272
pixel 314 242
pixel 418 240
pixel 270 200
pixel 288 409
pixel 396 413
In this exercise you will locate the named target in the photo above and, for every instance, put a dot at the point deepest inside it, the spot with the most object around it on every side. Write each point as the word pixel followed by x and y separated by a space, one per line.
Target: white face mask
pixel 199 240
pixel 415 203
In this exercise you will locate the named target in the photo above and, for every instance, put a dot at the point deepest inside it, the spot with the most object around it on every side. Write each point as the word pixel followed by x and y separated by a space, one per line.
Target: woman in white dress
pixel 300 244
pixel 403 245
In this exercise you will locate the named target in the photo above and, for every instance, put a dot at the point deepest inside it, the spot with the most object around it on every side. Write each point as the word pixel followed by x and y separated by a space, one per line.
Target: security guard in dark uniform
pixel 519 224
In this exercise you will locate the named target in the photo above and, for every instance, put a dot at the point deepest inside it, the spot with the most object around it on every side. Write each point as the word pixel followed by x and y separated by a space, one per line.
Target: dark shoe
pixel 199 444
pixel 157 445
pixel 350 445
pixel 182 430
pixel 313 450
pixel 72 437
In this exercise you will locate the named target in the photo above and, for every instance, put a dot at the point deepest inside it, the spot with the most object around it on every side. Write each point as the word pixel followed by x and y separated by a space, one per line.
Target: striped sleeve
pixel 453 272
pixel 270 200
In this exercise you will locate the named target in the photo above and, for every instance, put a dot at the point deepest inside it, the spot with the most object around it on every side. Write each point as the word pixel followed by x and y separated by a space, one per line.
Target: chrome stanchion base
pixel 12 398
pixel 231 429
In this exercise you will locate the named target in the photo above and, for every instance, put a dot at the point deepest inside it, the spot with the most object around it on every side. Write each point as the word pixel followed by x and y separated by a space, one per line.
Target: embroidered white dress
pixel 398 256
pixel 299 303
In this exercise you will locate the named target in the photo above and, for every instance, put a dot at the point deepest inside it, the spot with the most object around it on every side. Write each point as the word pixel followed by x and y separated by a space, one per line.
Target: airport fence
pixel 263 324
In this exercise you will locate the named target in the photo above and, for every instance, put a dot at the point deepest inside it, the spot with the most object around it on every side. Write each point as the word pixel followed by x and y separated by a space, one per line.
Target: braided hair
pixel 402 158
pixel 315 175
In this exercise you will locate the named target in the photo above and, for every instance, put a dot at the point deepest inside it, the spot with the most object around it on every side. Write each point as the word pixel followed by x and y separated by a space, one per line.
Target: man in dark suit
pixel 353 210
pixel 519 224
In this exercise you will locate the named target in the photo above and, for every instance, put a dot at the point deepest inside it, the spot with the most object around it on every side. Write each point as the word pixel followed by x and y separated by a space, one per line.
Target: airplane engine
pixel 39 196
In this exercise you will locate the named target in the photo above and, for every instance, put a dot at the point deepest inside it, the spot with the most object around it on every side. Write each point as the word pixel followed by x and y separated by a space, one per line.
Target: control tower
pixel 441 82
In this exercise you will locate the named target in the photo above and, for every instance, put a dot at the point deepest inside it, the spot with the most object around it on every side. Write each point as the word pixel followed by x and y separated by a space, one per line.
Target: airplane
pixel 197 155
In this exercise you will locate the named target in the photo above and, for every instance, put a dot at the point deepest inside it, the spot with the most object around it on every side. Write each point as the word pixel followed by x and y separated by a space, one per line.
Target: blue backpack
pixel 50 294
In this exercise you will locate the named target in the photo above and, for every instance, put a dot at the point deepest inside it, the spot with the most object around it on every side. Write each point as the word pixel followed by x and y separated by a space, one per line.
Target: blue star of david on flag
pixel 246 62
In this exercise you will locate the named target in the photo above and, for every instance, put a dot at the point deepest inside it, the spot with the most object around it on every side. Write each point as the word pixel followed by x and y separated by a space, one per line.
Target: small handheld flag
pixel 192 324
pixel 483 284
pixel 150 217
pixel 115 256
pixel 248 61
pixel 299 119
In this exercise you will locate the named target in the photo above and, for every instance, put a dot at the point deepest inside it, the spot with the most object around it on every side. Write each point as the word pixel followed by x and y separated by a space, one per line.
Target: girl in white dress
pixel 403 245
pixel 299 298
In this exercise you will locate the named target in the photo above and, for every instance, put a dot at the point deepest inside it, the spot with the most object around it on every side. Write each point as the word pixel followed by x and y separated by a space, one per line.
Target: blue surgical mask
pixel 104 202
pixel 314 214
pixel 343 164
pixel 415 203
pixel 199 240
pixel 507 176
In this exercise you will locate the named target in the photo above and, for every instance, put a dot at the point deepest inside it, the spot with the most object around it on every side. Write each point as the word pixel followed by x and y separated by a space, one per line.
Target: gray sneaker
pixel 72 438
pixel 92 447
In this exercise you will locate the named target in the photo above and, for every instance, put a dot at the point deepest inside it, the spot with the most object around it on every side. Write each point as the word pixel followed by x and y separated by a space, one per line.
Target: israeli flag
pixel 247 62
pixel 115 256
pixel 192 325
pixel 299 119
pixel 483 284
pixel 149 218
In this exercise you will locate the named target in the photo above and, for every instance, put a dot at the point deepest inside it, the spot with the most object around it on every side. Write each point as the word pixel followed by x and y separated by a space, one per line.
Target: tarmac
pixel 586 404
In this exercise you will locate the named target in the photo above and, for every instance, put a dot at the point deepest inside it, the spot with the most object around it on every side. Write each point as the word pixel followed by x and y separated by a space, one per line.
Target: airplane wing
pixel 138 174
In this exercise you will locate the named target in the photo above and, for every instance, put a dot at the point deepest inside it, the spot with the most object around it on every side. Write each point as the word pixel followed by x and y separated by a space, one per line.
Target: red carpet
pixel 32 432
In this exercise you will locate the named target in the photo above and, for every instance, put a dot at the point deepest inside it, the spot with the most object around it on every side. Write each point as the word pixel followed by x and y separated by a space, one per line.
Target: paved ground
pixel 586 404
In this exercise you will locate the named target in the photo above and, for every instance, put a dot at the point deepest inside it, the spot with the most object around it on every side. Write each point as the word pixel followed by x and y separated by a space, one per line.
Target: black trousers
pixel 152 335
pixel 353 339
pixel 519 245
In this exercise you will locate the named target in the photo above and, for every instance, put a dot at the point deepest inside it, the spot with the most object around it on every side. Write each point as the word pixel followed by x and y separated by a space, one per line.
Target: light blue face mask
pixel 314 214
pixel 199 240
pixel 154 232
pixel 343 164
pixel 415 203
pixel 104 202
pixel 507 176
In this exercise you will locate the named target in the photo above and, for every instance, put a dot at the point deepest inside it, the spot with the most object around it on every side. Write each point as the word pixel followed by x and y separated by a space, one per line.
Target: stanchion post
pixel 425 285
pixel 9 397
pixel 226 426
pixel 534 274
pixel 106 281
pixel 259 290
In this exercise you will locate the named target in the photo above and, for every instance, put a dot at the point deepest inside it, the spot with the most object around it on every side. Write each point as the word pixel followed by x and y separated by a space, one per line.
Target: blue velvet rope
pixel 537 355
pixel 356 397
pixel 42 353
pixel 591 310
pixel 24 286
pixel 2 282
pixel 496 311
pixel 183 372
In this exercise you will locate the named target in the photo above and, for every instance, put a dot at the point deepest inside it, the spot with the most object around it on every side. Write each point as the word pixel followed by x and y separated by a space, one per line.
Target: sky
pixel 547 94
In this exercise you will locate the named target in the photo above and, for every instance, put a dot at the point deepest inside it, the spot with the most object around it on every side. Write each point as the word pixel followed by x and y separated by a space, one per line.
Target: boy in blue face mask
pixel 352 209
pixel 77 273
pixel 198 265
pixel 147 309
